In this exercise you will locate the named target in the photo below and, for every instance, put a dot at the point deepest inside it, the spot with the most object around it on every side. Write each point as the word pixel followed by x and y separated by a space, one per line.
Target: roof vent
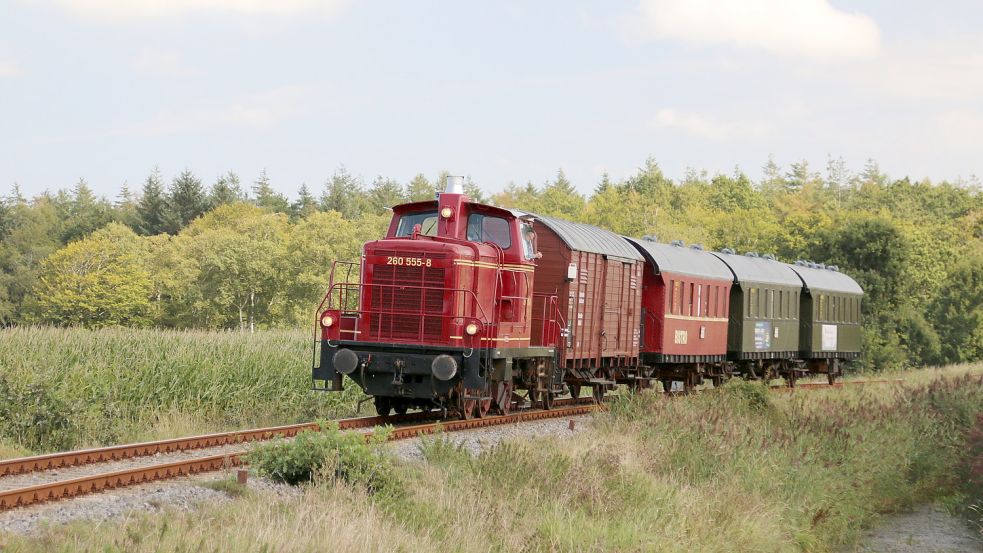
pixel 650 238
pixel 728 251
pixel 800 263
pixel 455 185
pixel 822 266
pixel 834 268
pixel 751 254
pixel 813 265
pixel 678 243
pixel 768 256
pixel 697 247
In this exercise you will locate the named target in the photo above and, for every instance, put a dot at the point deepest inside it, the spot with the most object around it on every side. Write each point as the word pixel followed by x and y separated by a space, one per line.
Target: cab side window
pixel 488 228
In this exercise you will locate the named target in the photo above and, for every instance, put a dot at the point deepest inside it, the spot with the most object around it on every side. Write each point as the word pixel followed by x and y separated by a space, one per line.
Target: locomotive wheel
pixel 598 394
pixel 503 397
pixel 467 406
pixel 533 397
pixel 383 405
pixel 547 400
pixel 483 407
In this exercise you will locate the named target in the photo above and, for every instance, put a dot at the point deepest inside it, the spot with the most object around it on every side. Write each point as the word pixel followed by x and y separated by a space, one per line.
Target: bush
pixel 329 455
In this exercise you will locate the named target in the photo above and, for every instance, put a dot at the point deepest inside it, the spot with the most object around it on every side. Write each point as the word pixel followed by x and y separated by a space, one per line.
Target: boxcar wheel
pixel 383 405
pixel 598 394
pixel 547 400
pixel 401 407
pixel 575 391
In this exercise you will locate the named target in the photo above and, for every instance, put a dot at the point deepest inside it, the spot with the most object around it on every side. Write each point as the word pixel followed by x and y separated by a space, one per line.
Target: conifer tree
pixel 152 206
pixel 186 201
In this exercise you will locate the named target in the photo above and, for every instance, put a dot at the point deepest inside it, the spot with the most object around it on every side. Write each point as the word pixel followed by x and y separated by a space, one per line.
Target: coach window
pixel 488 228
pixel 528 241
pixel 699 299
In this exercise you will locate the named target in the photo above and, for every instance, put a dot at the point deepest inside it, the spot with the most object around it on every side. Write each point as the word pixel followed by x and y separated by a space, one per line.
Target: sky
pixel 503 91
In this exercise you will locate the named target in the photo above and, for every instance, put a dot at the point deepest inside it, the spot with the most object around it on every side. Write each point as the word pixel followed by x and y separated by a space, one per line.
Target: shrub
pixel 331 456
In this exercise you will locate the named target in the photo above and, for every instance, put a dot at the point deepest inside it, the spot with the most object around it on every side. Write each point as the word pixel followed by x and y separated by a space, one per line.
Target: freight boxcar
pixel 685 297
pixel 596 277
pixel 829 318
pixel 763 334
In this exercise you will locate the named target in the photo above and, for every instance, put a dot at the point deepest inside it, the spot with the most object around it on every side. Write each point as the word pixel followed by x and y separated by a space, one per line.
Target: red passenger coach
pixel 596 277
pixel 684 312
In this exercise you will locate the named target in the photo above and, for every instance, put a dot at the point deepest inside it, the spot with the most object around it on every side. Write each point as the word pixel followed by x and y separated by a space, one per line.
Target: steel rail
pixel 37 463
pixel 63 489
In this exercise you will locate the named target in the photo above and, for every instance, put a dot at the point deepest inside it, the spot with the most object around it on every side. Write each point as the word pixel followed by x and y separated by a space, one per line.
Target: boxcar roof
pixel 759 270
pixel 587 238
pixel 827 280
pixel 671 258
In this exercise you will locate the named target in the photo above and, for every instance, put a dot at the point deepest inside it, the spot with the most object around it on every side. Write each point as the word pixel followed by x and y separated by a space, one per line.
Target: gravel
pixel 928 529
pixel 184 494
pixel 475 441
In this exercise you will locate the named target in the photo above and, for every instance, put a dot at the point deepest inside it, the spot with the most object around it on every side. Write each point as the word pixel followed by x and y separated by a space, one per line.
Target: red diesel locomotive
pixel 467 307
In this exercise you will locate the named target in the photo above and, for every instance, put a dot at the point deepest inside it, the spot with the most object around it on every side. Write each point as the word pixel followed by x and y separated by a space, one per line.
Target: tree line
pixel 184 255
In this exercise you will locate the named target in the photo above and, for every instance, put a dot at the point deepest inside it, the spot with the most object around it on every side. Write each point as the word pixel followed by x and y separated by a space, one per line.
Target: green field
pixel 735 469
pixel 69 388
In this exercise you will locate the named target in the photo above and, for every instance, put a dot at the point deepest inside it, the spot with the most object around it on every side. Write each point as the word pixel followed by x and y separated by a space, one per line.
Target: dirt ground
pixel 928 529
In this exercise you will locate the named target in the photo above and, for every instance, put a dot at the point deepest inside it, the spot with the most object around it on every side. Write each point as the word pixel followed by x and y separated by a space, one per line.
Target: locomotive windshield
pixel 426 219
pixel 488 228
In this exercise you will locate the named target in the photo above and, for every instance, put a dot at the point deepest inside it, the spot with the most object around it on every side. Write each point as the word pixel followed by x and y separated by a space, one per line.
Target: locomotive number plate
pixel 408 261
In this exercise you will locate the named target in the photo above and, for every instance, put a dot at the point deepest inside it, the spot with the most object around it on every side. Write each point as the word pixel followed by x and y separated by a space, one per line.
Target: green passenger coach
pixel 763 333
pixel 830 317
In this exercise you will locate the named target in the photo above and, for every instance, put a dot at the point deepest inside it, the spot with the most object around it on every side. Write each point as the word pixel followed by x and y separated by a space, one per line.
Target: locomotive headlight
pixel 446 212
pixel 471 329
pixel 327 320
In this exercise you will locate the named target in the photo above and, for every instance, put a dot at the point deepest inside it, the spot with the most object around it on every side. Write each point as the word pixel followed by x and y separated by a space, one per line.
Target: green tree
pixel 420 189
pixel 83 212
pixel 560 199
pixel 305 205
pixel 97 281
pixel 186 201
pixel 268 198
pixel 957 312
pixel 226 190
pixel 343 193
pixel 152 207
pixel 384 194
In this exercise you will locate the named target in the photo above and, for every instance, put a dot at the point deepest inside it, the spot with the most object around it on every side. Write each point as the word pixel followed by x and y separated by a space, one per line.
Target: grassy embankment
pixel 738 469
pixel 68 388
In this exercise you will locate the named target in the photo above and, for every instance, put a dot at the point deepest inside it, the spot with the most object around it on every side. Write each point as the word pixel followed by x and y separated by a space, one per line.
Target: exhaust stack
pixel 455 185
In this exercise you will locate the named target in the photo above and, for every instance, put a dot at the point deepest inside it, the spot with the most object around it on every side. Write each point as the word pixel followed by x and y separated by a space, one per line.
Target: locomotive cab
pixel 437 302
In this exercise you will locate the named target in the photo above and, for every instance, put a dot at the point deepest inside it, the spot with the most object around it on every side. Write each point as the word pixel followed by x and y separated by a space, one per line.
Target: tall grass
pixel 65 388
pixel 735 469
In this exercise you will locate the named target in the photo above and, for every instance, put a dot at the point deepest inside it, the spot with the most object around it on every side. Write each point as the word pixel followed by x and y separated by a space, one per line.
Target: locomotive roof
pixel 587 238
pixel 827 280
pixel 760 270
pixel 671 258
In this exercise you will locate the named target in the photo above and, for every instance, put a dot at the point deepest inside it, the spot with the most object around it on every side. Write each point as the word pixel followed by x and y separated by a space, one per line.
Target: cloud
pixel 259 111
pixel 702 126
pixel 9 68
pixel 810 29
pixel 155 9
pixel 162 64
pixel 948 69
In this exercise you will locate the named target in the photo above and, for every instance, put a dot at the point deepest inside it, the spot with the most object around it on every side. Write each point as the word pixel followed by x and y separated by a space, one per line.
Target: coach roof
pixel 587 238
pixel 826 280
pixel 673 258
pixel 761 270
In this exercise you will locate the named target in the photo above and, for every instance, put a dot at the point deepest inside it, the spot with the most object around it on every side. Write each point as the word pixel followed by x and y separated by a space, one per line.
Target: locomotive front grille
pixel 419 310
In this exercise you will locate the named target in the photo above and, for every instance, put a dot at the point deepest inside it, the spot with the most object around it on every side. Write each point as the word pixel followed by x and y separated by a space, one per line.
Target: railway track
pixel 54 490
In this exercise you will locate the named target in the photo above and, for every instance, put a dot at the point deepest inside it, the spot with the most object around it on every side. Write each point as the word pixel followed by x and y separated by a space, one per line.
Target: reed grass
pixel 67 388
